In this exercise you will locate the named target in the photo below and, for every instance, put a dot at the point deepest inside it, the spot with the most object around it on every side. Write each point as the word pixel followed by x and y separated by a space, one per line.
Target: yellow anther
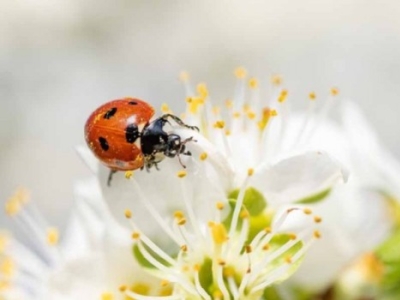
pixel 274 113
pixel 184 248
pixel 217 294
pixel 14 205
pixel 246 107
pixel 372 266
pixel 276 80
pixel 240 73
pixel 122 288
pixel 221 262
pixel 236 115
pixel 203 156
pixel 141 288
pixel 184 76
pixel 220 205
pixel 253 83
pixel 52 236
pixel 283 96
pixel 4 285
pixel 7 267
pixel 317 219
pixel 181 173
pixel 227 132
pixel 135 235
pixel 244 214
pixel 128 213
pixel 210 224
pixel 266 114
pixel 185 268
pixel 219 124
pixel 288 259
pixel 317 234
pixel 128 174
pixel 229 272
pixel 4 240
pixel 307 211
pixel 107 296
pixel 202 90
pixel 248 249
pixel 216 110
pixel 266 247
pixel 164 282
pixel 267 229
pixel 312 96
pixel 292 236
pixel 250 172
pixel 194 103
pixel 219 233
pixel 181 221
pixel 165 109
pixel 251 115
pixel 334 91
pixel 196 267
pixel 179 214
pixel 229 103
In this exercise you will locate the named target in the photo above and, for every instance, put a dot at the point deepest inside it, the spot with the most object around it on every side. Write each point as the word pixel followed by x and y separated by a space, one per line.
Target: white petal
pixel 88 158
pixel 376 166
pixel 298 177
pixel 206 180
pixel 354 221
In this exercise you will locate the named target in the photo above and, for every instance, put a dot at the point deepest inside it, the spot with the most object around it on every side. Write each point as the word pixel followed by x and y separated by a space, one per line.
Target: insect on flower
pixel 122 137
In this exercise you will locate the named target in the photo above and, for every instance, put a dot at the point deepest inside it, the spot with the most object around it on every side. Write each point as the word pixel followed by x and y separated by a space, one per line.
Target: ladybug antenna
pixel 178 121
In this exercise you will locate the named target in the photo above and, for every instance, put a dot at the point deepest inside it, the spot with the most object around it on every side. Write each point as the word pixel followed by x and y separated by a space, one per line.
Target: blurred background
pixel 61 59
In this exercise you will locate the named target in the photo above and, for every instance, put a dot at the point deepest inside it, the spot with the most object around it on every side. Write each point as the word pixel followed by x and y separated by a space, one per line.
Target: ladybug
pixel 122 136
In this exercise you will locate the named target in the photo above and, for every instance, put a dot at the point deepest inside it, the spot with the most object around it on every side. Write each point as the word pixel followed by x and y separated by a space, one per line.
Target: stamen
pixel 219 234
pixel 219 124
pixel 334 91
pixel 203 156
pixel 317 219
pixel 253 83
pixel 221 282
pixel 240 73
pixel 128 174
pixel 202 90
pixel 276 80
pixel 165 109
pixel 107 296
pixel 181 173
pixel 128 214
pixel 52 236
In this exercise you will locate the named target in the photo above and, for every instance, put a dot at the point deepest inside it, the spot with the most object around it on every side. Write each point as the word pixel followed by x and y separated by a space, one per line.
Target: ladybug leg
pixel 178 121
pixel 110 175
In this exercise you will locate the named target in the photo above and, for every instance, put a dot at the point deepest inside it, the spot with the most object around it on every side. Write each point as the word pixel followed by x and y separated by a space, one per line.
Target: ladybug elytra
pixel 122 136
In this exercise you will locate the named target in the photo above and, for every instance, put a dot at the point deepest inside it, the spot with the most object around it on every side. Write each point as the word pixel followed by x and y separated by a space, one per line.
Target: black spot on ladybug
pixel 103 143
pixel 132 103
pixel 131 133
pixel 110 113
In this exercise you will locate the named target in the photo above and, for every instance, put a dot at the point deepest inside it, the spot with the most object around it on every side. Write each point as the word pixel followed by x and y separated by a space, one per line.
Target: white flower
pixel 231 223
pixel 92 260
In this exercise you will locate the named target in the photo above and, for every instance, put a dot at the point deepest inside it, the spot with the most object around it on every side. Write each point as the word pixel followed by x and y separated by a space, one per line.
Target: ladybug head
pixel 157 144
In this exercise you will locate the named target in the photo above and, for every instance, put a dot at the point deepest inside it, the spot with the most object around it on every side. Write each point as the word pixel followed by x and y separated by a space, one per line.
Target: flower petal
pixel 298 177
pixel 88 158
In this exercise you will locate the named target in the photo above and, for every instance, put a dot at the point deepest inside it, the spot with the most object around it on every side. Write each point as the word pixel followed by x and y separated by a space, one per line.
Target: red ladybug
pixel 122 137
